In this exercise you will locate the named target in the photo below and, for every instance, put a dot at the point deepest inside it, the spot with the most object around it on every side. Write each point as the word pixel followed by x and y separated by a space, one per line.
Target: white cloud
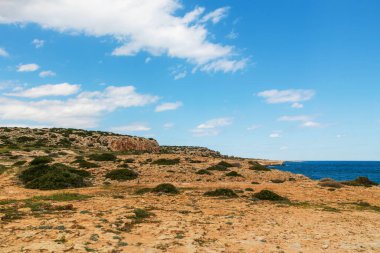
pixel 297 105
pixel 211 127
pixel 47 73
pixel 307 121
pixel 137 25
pixel 216 15
pixel 3 53
pixel 225 65
pixel 311 123
pixel 38 43
pixel 168 106
pixel 136 127
pixel 232 35
pixel 253 127
pixel 180 75
pixel 287 96
pixel 84 110
pixel 62 89
pixel 28 67
pixel 275 135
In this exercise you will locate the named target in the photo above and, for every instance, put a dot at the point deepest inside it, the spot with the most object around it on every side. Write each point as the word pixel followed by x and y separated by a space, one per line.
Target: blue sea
pixel 338 170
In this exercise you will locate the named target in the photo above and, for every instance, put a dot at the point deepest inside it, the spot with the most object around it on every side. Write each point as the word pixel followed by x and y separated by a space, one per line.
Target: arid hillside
pixel 64 190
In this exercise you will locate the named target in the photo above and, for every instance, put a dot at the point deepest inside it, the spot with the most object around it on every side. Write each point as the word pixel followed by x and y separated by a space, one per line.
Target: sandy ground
pixel 318 220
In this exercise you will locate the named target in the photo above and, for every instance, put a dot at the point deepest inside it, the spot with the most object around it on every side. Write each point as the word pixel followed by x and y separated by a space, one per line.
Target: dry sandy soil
pixel 317 219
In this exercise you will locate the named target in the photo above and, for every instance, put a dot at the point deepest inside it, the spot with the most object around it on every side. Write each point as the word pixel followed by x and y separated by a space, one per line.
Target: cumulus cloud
pixel 84 110
pixel 306 120
pixel 253 127
pixel 47 73
pixel 38 43
pixel 28 67
pixel 211 127
pixel 63 89
pixel 168 106
pixel 137 25
pixel 3 53
pixel 136 127
pixel 168 125
pixel 287 96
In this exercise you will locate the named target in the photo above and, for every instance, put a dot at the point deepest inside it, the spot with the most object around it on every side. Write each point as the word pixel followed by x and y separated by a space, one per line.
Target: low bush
pixel 203 172
pixel 19 163
pixel 141 213
pixel 53 177
pixel 360 181
pixel 222 192
pixel 226 164
pixel 327 182
pixel 41 160
pixel 142 191
pixel 165 188
pixel 165 161
pixel 218 167
pixel 233 174
pixel 103 157
pixel 258 167
pixel 63 197
pixel 129 160
pixel 269 195
pixel 86 164
pixel 277 181
pixel 122 175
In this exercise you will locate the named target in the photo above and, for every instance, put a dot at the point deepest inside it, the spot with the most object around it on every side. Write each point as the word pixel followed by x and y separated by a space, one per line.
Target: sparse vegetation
pixel 203 172
pixel 218 167
pixel 233 174
pixel 103 157
pixel 122 174
pixel 328 182
pixel 166 162
pixel 222 192
pixel 63 197
pixel 86 164
pixel 41 160
pixel 142 191
pixel 360 181
pixel 225 164
pixel 165 188
pixel 278 181
pixel 257 166
pixel 269 195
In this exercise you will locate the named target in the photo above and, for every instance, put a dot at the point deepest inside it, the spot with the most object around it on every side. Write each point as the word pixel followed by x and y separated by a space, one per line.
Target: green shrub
pixel 330 183
pixel 222 192
pixel 19 163
pixel 225 164
pixel 360 181
pixel 165 188
pixel 63 197
pixel 122 174
pixel 41 160
pixel 103 157
pixel 129 160
pixel 258 167
pixel 269 195
pixel 52 177
pixel 141 213
pixel 143 191
pixel 3 169
pixel 233 174
pixel 203 172
pixel 164 161
pixel 85 164
pixel 277 181
pixel 249 189
pixel 218 167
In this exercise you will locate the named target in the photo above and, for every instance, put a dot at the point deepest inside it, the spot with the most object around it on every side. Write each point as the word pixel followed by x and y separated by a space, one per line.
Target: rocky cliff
pixel 59 137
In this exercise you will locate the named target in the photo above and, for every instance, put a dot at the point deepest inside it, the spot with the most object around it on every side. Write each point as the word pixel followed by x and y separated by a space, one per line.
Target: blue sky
pixel 269 79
